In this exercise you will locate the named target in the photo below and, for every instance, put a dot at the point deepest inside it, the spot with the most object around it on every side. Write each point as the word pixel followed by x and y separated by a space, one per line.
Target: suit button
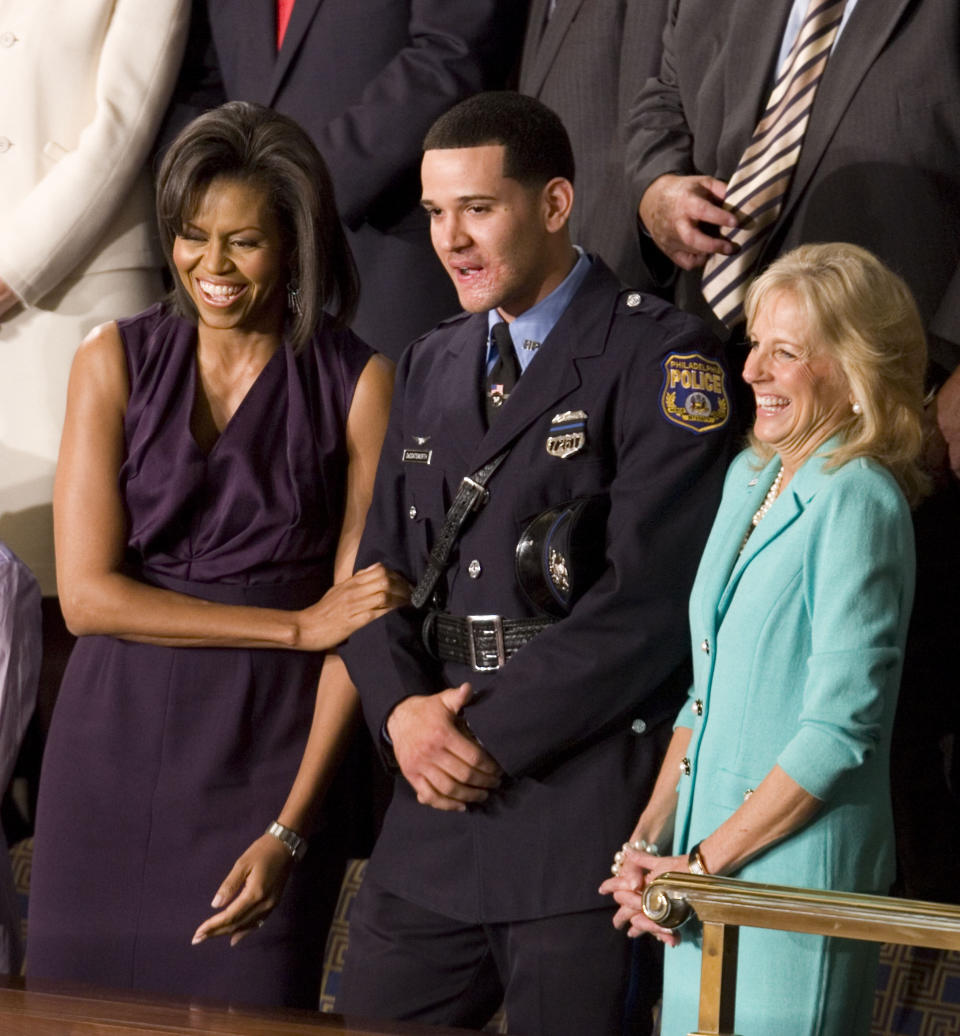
pixel 412 512
pixel 5 145
pixel 7 39
pixel 639 726
pixel 697 707
pixel 474 569
pixel 685 767
pixel 634 299
pixel 705 646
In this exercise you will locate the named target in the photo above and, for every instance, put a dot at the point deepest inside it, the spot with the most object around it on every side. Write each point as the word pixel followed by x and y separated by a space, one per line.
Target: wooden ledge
pixel 34 1008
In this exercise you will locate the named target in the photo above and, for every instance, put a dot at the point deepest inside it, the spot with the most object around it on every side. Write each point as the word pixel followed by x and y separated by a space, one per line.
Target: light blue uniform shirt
pixel 531 328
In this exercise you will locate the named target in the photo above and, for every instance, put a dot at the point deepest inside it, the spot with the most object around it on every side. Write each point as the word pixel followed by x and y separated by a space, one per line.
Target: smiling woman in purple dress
pixel 216 468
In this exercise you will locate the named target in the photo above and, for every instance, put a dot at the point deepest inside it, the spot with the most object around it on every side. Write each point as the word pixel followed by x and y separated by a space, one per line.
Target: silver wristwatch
pixel 292 842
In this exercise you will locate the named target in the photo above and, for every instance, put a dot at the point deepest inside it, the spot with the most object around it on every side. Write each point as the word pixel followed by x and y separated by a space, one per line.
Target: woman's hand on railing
pixel 636 870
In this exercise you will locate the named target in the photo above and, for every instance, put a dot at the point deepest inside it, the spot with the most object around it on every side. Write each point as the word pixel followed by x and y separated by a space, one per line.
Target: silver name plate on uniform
pixel 417 456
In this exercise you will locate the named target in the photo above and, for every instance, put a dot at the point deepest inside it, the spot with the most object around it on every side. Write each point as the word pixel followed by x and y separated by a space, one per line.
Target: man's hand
pixel 436 752
pixel 944 444
pixel 672 209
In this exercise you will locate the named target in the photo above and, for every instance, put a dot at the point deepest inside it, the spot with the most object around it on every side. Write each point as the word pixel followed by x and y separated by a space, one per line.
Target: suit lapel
pixel 580 331
pixel 300 19
pixel 246 35
pixel 755 28
pixel 726 539
pixel 788 507
pixel 781 516
pixel 864 36
pixel 459 391
pixel 549 42
pixel 531 44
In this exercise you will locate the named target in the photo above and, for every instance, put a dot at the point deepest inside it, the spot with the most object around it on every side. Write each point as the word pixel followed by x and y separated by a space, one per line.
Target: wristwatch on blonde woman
pixel 695 862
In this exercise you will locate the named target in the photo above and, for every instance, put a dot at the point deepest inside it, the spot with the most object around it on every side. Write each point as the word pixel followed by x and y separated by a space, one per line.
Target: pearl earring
pixel 856 408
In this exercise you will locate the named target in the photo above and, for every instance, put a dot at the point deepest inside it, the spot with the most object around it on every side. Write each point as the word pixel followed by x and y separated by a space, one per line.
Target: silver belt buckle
pixel 496 623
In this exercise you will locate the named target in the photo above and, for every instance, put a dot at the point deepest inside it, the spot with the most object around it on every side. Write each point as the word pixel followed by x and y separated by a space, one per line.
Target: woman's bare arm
pixel 90 532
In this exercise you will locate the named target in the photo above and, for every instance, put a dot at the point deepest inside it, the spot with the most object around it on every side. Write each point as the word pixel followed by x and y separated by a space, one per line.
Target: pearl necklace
pixel 772 493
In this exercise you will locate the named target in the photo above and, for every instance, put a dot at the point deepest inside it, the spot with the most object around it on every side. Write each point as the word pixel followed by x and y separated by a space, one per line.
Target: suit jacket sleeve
pixel 659 140
pixel 858 601
pixel 60 220
pixel 945 328
pixel 380 137
pixel 386 659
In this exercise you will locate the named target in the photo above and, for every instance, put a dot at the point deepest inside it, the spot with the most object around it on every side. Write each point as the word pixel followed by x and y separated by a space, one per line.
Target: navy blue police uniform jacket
pixel 572 716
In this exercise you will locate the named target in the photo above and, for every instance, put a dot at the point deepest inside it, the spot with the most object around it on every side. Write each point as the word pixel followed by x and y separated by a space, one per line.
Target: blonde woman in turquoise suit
pixel 798 622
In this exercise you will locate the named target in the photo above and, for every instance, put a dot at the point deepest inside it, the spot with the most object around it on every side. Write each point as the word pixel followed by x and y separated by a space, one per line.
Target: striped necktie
pixel 759 184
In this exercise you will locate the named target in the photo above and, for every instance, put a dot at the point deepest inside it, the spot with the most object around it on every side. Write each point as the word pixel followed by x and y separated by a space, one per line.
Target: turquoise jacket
pixel 798 646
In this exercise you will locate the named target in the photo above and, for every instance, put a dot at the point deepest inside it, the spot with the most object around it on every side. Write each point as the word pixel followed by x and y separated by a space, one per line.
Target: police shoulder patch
pixel 694 394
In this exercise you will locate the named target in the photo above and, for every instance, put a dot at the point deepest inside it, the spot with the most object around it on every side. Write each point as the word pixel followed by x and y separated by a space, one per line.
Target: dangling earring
pixel 293 297
pixel 856 408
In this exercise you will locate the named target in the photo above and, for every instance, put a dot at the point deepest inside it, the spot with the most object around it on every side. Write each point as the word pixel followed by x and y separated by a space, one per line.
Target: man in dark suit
pixel 879 165
pixel 526 721
pixel 586 59
pixel 365 78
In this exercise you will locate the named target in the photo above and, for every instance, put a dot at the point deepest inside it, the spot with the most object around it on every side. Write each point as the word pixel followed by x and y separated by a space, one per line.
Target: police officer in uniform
pixel 552 466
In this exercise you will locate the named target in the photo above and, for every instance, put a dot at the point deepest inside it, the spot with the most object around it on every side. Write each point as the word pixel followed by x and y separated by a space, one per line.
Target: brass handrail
pixel 723 905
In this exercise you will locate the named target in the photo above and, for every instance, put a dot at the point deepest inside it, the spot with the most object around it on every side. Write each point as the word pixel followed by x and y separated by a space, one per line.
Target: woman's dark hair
pixel 250 143
pixel 536 145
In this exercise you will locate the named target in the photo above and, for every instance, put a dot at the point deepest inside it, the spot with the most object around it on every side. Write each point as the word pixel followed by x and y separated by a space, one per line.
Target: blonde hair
pixel 863 316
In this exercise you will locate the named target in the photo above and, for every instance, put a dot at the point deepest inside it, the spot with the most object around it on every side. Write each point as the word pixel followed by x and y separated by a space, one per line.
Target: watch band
pixel 695 862
pixel 295 844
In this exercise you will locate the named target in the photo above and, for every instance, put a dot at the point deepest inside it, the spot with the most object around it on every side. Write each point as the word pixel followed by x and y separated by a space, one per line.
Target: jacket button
pixel 639 726
pixel 474 569
pixel 705 646
pixel 412 512
pixel 7 39
pixel 5 145
pixel 685 767
pixel 697 707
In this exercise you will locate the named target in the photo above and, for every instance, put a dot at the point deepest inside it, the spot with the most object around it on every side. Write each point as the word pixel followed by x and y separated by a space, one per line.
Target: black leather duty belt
pixel 483 642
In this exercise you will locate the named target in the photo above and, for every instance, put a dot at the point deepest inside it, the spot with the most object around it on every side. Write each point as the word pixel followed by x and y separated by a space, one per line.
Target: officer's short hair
pixel 536 143
pixel 253 144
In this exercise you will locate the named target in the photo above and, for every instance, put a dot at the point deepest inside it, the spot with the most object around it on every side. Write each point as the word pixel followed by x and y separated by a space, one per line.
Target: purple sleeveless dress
pixel 163 763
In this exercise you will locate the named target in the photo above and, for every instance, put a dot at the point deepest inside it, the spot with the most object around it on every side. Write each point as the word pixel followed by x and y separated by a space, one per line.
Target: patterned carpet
pixel 918 992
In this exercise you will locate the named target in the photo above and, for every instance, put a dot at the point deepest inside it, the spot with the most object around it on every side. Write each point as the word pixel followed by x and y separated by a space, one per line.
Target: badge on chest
pixel 568 433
